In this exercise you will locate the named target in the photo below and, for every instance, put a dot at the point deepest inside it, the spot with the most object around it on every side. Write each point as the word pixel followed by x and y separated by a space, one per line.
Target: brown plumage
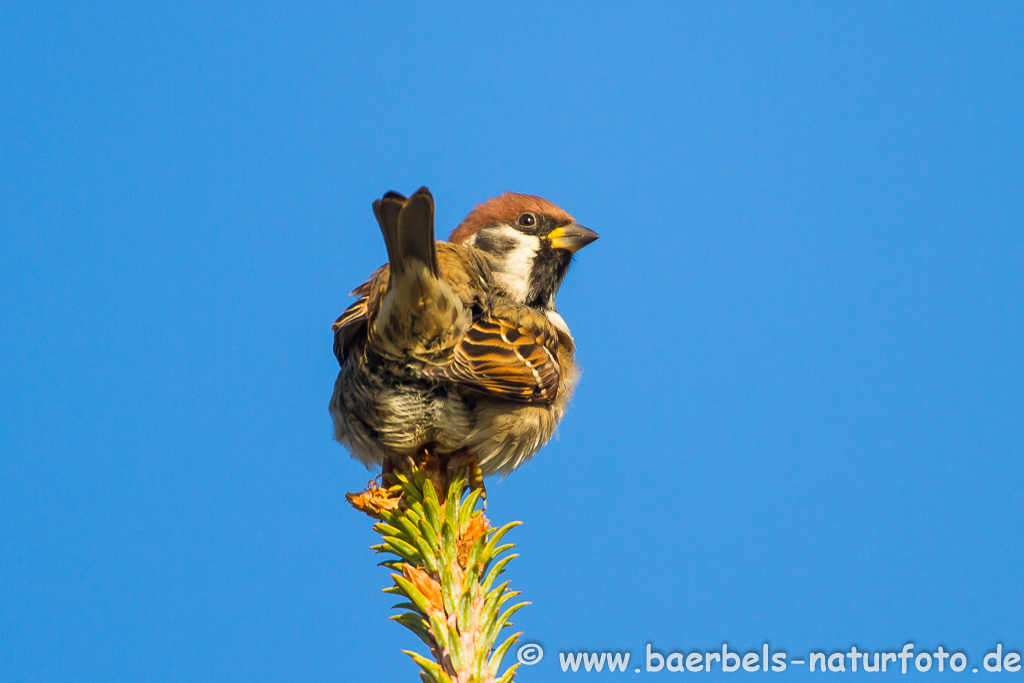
pixel 456 347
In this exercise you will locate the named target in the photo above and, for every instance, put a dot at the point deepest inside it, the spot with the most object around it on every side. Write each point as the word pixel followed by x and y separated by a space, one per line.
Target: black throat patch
pixel 549 267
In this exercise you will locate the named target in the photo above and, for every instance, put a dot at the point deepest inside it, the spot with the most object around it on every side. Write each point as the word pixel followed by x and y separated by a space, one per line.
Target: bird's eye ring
pixel 527 220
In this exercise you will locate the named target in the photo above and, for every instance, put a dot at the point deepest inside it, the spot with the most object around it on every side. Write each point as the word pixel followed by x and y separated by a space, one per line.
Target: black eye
pixel 527 220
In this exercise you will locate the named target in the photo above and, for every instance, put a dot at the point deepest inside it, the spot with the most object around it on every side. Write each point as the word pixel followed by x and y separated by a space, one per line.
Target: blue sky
pixel 802 332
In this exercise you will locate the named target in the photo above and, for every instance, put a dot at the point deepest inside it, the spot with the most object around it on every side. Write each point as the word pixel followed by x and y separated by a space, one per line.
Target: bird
pixel 456 349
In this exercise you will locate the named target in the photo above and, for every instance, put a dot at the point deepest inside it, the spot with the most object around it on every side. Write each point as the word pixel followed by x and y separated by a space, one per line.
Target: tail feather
pixel 416 230
pixel 408 229
pixel 387 210
pixel 420 315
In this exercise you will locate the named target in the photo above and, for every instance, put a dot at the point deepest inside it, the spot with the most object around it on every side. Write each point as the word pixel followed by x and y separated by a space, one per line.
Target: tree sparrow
pixel 456 347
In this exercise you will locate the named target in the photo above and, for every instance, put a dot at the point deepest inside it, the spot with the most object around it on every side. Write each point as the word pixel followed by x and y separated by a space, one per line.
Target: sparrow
pixel 456 348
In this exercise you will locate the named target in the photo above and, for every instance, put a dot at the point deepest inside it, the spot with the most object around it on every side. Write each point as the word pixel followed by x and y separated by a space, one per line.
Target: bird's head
pixel 530 241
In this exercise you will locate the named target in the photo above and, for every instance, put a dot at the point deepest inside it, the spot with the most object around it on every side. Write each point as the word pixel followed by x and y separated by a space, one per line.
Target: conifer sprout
pixel 448 561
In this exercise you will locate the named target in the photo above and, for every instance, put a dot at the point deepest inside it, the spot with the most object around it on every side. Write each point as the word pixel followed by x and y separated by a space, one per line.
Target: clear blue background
pixel 802 330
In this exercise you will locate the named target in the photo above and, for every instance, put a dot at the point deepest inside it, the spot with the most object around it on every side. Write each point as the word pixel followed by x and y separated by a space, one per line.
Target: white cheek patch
pixel 519 267
pixel 516 263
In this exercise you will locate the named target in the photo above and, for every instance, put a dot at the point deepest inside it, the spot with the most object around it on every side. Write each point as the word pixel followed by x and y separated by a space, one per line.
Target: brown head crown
pixel 505 208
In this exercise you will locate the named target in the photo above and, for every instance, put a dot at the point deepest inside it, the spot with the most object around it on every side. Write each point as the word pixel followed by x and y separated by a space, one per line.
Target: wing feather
pixel 499 357
pixel 355 317
pixel 346 326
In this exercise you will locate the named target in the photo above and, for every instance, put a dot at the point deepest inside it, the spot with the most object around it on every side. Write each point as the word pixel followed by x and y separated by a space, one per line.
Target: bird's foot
pixel 394 464
pixel 466 460
pixel 387 474
pixel 441 470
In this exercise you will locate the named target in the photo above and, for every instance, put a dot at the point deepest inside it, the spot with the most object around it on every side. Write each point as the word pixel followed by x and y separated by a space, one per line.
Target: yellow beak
pixel 572 237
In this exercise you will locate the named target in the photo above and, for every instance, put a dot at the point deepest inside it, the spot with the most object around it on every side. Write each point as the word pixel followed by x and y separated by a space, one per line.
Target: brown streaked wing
pixel 370 282
pixel 347 325
pixel 353 313
pixel 356 315
pixel 503 359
